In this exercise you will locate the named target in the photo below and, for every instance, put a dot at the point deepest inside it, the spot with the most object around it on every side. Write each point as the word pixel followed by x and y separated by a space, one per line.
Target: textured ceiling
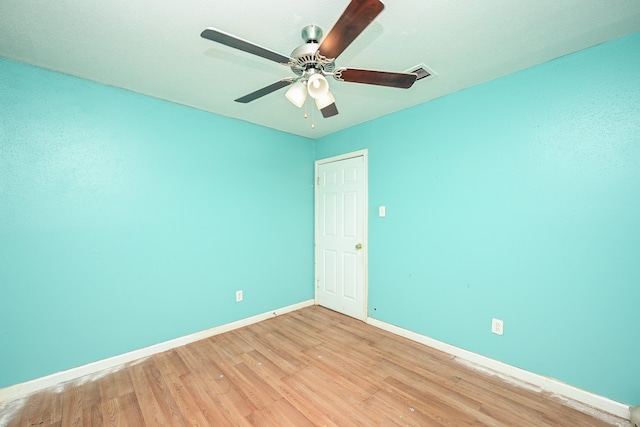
pixel 155 48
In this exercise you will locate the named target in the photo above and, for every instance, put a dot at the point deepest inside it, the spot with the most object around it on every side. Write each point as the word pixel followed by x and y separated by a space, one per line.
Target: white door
pixel 341 188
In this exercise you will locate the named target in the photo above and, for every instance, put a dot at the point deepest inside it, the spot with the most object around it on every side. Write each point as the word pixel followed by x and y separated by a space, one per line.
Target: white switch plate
pixel 382 211
pixel 238 296
pixel 497 326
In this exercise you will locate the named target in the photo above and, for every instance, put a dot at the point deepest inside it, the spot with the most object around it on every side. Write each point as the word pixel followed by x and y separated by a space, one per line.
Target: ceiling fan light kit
pixel 317 86
pixel 325 101
pixel 315 59
pixel 297 93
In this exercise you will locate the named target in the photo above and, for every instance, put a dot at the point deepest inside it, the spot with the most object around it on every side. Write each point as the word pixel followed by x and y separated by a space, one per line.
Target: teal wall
pixel 517 199
pixel 126 221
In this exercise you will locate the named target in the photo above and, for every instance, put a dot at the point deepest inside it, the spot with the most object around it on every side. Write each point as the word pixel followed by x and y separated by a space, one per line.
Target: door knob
pixel 359 246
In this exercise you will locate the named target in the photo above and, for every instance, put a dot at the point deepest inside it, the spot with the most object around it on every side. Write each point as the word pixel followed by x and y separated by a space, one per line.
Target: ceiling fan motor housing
pixel 305 56
pixel 312 33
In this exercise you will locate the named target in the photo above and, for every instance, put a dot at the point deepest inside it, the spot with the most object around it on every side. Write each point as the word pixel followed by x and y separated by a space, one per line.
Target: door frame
pixel 365 250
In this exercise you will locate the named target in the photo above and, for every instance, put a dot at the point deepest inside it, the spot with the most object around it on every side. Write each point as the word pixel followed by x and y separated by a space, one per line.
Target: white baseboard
pixel 547 384
pixel 20 390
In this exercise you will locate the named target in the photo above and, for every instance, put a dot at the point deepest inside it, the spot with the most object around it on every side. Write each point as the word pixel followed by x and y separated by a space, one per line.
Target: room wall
pixel 517 199
pixel 127 221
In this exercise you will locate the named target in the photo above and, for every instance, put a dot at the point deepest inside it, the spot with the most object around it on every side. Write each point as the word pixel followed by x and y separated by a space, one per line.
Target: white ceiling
pixel 155 48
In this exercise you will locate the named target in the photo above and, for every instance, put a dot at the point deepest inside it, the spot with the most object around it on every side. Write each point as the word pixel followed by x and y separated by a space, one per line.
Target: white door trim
pixel 365 159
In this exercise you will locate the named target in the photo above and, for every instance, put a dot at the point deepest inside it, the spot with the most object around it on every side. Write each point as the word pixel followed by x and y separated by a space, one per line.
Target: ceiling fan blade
pixel 372 77
pixel 329 111
pixel 265 90
pixel 356 17
pixel 243 45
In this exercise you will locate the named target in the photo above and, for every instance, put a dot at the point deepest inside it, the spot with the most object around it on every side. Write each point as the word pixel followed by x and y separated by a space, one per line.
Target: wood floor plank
pixel 92 409
pixel 275 377
pixel 230 392
pixel 362 353
pixel 163 394
pixel 95 416
pixel 253 386
pixel 297 332
pixel 214 408
pixel 286 362
pixel 188 408
pixel 117 383
pixel 213 390
pixel 311 367
pixel 344 372
pixel 428 403
pixel 259 362
pixel 320 412
pixel 72 409
pixel 268 346
pixel 178 367
pixel 397 411
pixel 201 366
pixel 501 408
pixel 274 414
pixel 152 410
pixel 111 415
pixel 336 400
pixel 433 391
pixel 131 410
pixel 35 411
pixel 230 342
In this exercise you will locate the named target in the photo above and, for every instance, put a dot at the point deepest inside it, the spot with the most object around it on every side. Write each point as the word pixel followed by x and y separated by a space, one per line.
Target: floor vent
pixel 422 71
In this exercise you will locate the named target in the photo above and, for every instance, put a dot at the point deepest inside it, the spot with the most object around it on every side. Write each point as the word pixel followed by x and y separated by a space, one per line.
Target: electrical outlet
pixel 238 296
pixel 497 326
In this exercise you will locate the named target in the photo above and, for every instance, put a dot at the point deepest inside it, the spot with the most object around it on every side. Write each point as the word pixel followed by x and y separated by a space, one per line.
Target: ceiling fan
pixel 315 59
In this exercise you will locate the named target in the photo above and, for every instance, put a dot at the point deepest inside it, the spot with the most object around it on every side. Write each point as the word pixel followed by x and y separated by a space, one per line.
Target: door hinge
pixel 318 181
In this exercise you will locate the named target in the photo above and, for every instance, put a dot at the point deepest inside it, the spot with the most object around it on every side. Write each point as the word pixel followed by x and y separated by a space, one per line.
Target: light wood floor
pixel 312 367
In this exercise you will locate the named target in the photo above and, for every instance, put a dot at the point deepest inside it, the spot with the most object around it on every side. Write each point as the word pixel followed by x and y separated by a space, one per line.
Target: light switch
pixel 382 211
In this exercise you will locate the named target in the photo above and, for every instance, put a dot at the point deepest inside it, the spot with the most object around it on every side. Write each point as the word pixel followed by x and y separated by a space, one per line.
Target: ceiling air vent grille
pixel 422 71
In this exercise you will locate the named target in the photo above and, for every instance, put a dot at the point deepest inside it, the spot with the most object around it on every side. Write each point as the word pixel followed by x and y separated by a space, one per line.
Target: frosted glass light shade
pixel 297 94
pixel 325 101
pixel 317 86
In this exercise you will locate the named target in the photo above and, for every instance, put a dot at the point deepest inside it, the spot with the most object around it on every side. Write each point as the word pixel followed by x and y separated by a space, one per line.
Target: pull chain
pixel 306 113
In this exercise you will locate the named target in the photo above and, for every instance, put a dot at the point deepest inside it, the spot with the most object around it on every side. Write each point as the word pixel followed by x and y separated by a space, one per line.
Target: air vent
pixel 422 71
